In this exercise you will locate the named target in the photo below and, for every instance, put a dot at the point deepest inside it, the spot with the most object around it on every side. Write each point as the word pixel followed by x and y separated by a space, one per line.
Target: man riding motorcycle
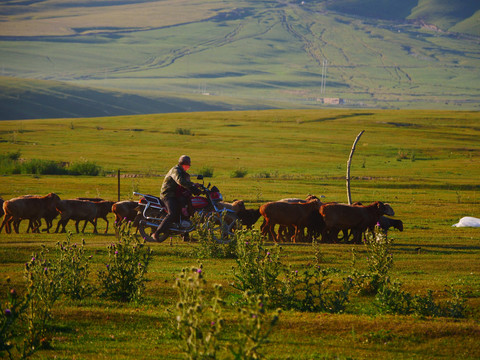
pixel 174 193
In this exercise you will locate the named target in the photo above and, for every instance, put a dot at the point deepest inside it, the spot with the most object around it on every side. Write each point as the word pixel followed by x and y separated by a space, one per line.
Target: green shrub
pixel 10 164
pixel 124 276
pixel 206 172
pixel 262 175
pixel 11 156
pixel 88 168
pixel 239 173
pixel 456 306
pixel 42 167
pixel 182 131
pixel 424 305
pixel 8 167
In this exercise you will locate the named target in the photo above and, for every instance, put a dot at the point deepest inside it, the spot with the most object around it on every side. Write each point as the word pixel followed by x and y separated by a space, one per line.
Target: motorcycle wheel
pixel 146 232
pixel 221 228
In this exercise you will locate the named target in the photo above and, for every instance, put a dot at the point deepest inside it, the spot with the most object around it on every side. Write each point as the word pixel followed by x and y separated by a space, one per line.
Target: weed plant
pixel 43 290
pixel 391 299
pixel 199 320
pixel 258 268
pixel 214 238
pixel 313 291
pixel 74 267
pixel 124 276
pixel 11 311
pixel 379 263
pixel 260 271
pixel 317 252
pixel 255 325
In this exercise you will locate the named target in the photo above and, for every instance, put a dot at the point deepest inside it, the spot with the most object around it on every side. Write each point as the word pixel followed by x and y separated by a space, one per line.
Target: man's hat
pixel 184 160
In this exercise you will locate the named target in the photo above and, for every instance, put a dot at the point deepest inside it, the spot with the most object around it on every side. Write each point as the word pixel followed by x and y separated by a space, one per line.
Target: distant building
pixel 332 101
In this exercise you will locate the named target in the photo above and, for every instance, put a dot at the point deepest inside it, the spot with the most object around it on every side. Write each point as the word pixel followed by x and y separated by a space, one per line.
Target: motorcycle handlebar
pixel 202 188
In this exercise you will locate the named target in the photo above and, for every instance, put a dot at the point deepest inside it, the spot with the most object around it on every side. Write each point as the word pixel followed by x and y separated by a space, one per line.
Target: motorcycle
pixel 220 222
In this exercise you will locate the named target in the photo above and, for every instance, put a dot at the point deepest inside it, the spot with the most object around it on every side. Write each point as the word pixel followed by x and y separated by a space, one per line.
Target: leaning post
pixel 349 194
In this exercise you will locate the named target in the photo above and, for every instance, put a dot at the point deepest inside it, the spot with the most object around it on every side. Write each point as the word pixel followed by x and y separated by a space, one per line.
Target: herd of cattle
pixel 293 216
pixel 35 208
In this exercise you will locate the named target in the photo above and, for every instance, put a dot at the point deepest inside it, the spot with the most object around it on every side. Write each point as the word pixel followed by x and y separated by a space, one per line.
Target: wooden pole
pixel 349 194
pixel 118 185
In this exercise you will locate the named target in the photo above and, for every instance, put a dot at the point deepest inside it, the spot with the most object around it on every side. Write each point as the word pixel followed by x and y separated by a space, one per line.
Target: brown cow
pixel 77 210
pixel 357 218
pixel 386 223
pixel 124 211
pixel 288 214
pixel 249 217
pixel 103 209
pixel 30 207
pixel 315 224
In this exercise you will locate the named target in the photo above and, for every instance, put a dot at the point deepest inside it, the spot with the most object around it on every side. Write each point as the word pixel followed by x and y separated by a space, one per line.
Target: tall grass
pixel 10 164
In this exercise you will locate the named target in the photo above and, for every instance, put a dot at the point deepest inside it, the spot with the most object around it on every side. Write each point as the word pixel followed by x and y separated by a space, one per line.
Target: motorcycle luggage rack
pixel 151 202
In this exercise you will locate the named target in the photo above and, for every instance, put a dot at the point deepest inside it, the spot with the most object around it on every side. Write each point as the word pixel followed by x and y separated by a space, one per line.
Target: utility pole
pixel 324 76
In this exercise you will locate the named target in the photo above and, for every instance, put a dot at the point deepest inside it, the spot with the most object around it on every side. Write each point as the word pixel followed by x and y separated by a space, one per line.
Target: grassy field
pixel 424 163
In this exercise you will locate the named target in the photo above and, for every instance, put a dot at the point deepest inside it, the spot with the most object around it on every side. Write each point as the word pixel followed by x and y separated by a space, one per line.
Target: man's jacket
pixel 176 177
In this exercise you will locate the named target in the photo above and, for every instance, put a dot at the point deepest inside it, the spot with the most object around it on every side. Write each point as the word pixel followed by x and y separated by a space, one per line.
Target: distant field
pixel 397 148
pixel 229 53
pixel 424 163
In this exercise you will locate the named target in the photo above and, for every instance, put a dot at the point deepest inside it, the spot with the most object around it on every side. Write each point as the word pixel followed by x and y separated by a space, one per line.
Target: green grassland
pixel 238 55
pixel 424 163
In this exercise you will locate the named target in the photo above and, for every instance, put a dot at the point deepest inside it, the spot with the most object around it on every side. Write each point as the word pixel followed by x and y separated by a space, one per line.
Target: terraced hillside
pixel 245 54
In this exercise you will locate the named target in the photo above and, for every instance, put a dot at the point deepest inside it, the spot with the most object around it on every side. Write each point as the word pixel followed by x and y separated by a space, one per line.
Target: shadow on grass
pixel 344 116
pixel 437 249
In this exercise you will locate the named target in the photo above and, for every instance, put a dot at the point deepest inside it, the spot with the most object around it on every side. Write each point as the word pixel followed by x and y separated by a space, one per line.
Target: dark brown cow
pixel 249 217
pixel 77 210
pixel 103 209
pixel 315 223
pixel 125 211
pixel 357 218
pixel 30 207
pixel 297 215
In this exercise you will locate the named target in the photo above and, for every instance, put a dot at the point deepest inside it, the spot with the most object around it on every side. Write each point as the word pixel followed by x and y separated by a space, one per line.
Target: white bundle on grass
pixel 468 221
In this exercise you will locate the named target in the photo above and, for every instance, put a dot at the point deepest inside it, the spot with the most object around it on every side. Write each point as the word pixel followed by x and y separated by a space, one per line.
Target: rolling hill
pixel 29 99
pixel 454 16
pixel 96 58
